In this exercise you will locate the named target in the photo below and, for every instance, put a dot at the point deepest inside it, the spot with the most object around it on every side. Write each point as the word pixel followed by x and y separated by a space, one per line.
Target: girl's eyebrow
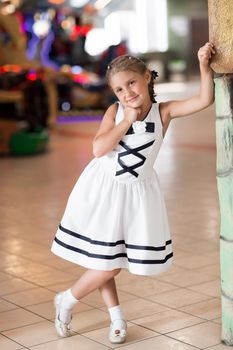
pixel 132 78
pixel 126 82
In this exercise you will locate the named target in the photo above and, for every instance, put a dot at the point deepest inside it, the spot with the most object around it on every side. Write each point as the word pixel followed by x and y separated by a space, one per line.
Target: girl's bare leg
pixel 118 326
pixel 108 292
pixel 90 281
pixel 65 301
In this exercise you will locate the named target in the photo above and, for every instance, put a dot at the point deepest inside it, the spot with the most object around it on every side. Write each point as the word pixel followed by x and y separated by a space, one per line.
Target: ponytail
pixel 152 94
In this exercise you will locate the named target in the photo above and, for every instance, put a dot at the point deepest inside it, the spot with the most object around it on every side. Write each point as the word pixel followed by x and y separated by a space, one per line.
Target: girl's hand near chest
pixel 109 134
pixel 131 114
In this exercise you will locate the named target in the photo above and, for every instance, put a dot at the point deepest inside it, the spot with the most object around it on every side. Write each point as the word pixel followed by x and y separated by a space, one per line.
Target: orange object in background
pixel 56 2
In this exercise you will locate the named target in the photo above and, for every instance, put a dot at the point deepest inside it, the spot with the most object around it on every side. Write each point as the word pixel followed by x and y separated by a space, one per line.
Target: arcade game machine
pixel 81 89
pixel 23 106
pixel 57 39
pixel 46 77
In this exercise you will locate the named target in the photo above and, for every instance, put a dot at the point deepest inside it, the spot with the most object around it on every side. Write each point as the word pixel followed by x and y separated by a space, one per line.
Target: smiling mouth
pixel 132 99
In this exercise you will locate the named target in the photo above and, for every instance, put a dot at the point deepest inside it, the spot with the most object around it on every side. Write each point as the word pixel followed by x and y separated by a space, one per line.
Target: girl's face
pixel 131 88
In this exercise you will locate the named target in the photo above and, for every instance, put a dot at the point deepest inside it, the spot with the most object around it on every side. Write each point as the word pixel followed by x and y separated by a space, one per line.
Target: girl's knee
pixel 112 273
pixel 116 271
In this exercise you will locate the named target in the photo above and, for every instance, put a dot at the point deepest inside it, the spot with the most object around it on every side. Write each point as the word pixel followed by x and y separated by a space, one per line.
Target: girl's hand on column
pixel 205 53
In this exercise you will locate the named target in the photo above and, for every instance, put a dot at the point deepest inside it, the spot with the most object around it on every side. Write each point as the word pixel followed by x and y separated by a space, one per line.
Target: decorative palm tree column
pixel 221 29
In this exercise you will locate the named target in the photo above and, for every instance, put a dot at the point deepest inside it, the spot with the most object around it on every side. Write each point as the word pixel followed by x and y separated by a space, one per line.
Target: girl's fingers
pixel 209 45
pixel 205 56
pixel 209 51
pixel 205 52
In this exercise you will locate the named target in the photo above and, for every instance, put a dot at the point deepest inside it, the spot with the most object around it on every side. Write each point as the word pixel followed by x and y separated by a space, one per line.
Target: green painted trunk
pixel 224 140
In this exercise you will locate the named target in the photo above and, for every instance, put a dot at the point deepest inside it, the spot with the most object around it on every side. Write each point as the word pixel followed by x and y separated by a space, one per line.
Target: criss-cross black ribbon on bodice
pixel 150 127
pixel 135 152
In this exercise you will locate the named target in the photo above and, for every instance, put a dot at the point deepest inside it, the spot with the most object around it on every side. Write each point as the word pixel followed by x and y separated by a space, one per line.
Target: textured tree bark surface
pixel 221 34
pixel 224 142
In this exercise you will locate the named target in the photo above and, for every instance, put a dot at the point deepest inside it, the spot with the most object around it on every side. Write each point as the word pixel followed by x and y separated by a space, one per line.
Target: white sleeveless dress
pixel 116 216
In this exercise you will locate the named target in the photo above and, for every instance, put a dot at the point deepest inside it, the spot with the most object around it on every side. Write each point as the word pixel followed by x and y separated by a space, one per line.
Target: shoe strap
pixel 118 324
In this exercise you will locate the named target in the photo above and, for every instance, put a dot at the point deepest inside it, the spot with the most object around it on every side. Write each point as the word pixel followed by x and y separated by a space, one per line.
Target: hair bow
pixel 154 74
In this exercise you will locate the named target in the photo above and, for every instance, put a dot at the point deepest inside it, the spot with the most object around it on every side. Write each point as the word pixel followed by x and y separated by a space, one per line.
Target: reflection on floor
pixel 179 309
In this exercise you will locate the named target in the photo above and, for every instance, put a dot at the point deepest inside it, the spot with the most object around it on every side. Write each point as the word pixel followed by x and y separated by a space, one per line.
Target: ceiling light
pixel 100 4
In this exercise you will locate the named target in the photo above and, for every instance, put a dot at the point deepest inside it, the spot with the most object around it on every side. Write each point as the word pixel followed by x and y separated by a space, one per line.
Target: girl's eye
pixel 118 90
pixel 132 82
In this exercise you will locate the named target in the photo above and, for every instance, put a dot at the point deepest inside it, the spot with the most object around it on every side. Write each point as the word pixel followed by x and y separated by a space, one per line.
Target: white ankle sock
pixel 67 303
pixel 68 300
pixel 116 313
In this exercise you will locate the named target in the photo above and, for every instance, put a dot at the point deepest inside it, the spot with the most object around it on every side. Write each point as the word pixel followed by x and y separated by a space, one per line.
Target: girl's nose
pixel 128 93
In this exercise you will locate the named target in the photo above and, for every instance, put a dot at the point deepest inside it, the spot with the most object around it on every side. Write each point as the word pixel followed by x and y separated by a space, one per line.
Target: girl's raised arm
pixel 174 109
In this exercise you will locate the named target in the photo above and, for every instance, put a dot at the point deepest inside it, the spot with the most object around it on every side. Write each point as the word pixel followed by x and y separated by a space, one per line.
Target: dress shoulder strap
pixel 155 113
pixel 159 115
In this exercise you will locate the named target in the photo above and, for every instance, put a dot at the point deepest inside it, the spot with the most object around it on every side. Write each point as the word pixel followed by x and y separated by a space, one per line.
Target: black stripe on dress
pixel 113 244
pixel 112 257
pixel 135 152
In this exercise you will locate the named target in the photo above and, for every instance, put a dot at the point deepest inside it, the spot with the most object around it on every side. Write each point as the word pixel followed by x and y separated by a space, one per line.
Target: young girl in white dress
pixel 116 216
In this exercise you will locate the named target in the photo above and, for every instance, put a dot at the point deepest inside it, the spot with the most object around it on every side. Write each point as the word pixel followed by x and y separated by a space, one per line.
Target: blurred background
pixel 54 54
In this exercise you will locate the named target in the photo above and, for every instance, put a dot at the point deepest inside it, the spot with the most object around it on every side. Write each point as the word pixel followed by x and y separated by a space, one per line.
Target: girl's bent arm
pixel 205 98
pixel 109 134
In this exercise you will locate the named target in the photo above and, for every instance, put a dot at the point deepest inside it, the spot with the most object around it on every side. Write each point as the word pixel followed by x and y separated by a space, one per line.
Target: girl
pixel 115 216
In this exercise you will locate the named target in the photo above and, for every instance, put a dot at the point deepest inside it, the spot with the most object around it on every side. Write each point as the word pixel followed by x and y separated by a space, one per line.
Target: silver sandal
pixel 117 331
pixel 63 329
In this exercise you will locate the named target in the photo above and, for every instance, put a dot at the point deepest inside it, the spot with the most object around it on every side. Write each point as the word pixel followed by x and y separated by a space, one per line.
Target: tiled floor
pixel 177 310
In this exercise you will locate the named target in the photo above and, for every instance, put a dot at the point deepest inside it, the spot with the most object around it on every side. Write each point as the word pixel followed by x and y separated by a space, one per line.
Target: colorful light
pixel 76 69
pixel 11 68
pixel 96 41
pixel 41 27
pixel 31 75
pixel 66 106
pixel 56 2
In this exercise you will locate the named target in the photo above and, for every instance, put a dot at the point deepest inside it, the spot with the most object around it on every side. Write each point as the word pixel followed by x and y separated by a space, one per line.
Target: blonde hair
pixel 134 64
